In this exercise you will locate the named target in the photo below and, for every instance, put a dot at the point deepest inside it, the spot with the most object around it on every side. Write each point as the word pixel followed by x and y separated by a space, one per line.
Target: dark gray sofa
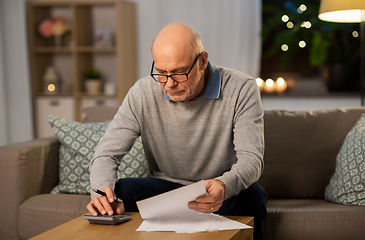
pixel 300 155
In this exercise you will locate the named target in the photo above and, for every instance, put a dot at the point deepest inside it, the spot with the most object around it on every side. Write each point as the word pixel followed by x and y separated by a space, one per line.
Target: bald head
pixel 174 50
pixel 177 39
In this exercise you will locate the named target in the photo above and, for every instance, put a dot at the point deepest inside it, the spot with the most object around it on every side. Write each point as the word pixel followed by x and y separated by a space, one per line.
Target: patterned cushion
pixel 347 185
pixel 78 141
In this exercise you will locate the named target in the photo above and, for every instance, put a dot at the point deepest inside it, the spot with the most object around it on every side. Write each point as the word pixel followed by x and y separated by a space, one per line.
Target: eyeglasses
pixel 177 77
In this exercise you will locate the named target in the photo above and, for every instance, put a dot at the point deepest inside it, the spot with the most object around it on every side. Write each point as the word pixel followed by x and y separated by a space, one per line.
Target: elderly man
pixel 196 121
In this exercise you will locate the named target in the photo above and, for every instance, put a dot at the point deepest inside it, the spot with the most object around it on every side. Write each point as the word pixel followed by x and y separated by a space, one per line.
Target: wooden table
pixel 80 229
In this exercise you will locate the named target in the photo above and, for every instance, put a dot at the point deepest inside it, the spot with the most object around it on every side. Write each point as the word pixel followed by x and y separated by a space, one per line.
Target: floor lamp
pixel 347 11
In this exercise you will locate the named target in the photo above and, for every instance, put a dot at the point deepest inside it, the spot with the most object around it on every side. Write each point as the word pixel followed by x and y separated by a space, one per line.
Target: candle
pixel 269 86
pixel 260 84
pixel 281 85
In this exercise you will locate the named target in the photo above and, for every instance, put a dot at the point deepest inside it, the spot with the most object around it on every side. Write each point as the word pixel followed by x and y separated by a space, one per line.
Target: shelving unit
pixel 78 53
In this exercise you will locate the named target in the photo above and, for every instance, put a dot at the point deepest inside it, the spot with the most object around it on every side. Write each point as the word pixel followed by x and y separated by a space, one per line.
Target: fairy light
pixel 285 18
pixel 290 25
pixel 302 44
pixel 307 24
pixel 284 47
pixel 303 7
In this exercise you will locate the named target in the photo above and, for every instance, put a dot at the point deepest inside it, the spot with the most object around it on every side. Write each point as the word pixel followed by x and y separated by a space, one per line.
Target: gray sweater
pixel 188 141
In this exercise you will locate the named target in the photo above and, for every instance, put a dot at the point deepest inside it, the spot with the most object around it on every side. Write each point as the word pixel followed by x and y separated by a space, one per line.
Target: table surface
pixel 80 229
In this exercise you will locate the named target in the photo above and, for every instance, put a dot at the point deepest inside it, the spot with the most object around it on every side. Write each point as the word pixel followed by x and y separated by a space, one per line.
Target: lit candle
pixel 269 85
pixel 281 85
pixel 260 84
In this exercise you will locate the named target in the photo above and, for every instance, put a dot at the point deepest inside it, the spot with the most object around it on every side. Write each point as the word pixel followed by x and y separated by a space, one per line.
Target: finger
pixel 205 199
pixel 119 208
pixel 107 207
pixel 98 204
pixel 214 208
pixel 200 207
pixel 109 193
pixel 91 209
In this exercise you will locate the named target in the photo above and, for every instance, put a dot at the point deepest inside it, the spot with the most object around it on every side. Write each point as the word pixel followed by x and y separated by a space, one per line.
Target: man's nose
pixel 170 82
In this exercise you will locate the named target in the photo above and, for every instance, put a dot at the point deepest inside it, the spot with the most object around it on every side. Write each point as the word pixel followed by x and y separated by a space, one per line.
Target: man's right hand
pixel 105 205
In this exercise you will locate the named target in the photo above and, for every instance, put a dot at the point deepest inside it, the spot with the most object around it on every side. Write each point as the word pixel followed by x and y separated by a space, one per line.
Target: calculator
pixel 108 220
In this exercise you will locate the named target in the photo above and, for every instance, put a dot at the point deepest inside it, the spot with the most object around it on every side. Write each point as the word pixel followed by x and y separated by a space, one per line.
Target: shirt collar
pixel 213 87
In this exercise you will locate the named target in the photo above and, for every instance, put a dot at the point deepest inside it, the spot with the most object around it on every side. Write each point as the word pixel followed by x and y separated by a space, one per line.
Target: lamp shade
pixel 342 10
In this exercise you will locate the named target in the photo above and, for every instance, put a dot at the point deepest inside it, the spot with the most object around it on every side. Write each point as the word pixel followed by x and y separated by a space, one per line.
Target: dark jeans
pixel 249 202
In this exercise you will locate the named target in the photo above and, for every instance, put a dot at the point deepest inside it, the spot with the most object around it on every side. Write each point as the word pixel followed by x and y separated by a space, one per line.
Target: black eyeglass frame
pixel 155 76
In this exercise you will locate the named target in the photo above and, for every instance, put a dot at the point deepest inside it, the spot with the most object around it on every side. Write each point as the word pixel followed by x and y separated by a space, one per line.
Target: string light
pixel 303 7
pixel 285 18
pixel 302 44
pixel 355 34
pixel 290 25
pixel 284 47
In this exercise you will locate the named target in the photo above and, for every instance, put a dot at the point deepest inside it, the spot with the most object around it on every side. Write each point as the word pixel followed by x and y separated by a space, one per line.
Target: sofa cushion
pixel 301 149
pixel 303 219
pixel 347 184
pixel 46 211
pixel 78 142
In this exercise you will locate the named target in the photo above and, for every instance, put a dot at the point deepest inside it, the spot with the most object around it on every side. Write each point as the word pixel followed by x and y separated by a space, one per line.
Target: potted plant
pixel 334 47
pixel 92 81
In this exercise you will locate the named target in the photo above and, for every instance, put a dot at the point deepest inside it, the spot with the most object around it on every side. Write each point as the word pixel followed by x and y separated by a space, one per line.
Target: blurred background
pixel 316 61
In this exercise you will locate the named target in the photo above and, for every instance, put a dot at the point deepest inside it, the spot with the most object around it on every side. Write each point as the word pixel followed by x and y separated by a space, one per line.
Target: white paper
pixel 169 212
pixel 224 223
pixel 191 224
pixel 173 203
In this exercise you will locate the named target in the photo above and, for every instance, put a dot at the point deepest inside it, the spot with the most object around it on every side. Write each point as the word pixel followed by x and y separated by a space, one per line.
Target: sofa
pixel 300 158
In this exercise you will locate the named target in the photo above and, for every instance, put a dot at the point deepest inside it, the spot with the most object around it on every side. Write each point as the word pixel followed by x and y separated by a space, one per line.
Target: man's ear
pixel 203 60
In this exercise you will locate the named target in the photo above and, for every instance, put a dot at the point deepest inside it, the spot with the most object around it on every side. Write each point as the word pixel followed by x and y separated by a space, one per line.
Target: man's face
pixel 181 91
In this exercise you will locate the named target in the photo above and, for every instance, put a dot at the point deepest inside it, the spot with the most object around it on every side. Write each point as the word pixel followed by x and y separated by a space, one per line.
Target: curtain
pixel 16 124
pixel 3 119
pixel 230 30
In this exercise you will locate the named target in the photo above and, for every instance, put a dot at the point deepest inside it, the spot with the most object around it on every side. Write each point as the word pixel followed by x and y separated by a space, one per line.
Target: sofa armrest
pixel 26 169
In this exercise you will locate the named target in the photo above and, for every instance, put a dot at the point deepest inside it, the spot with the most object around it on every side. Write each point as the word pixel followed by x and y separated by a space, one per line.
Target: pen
pixel 104 194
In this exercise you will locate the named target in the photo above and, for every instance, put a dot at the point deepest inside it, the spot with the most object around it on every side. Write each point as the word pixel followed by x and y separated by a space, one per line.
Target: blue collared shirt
pixel 213 87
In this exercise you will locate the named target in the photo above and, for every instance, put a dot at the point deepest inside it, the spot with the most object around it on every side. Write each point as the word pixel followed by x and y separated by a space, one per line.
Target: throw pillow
pixel 347 185
pixel 78 141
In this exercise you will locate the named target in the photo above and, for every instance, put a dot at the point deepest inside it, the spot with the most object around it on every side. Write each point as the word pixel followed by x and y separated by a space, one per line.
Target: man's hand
pixel 213 200
pixel 105 205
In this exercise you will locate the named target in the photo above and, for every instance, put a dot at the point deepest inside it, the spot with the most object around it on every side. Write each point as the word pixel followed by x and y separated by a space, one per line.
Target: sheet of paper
pixel 169 212
pixel 223 223
pixel 173 203
pixel 191 224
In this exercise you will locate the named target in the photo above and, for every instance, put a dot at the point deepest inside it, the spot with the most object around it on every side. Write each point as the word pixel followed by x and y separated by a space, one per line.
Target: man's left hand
pixel 213 200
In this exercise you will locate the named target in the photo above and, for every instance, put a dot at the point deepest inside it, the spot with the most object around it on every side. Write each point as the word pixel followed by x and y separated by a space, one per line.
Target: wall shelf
pixel 80 52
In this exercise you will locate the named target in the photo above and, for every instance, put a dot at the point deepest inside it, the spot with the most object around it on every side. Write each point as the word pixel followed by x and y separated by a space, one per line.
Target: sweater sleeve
pixel 248 140
pixel 116 142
